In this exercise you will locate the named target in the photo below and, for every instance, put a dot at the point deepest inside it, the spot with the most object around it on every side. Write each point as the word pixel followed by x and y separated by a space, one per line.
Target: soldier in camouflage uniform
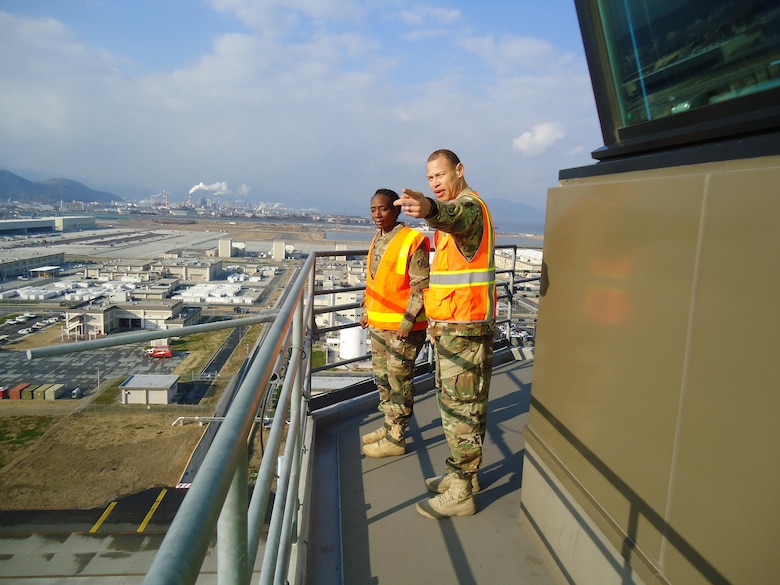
pixel 393 311
pixel 463 341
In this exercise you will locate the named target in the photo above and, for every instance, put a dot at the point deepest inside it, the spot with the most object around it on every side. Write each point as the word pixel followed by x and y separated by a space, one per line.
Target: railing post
pixel 289 532
pixel 232 527
pixel 311 283
pixel 511 294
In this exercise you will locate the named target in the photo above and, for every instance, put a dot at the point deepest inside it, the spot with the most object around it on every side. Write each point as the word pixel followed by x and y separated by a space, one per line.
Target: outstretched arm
pixel 414 203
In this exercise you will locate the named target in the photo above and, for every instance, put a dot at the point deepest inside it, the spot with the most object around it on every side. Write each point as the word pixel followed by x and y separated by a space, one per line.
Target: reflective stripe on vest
pixel 388 293
pixel 458 278
pixel 461 291
pixel 406 249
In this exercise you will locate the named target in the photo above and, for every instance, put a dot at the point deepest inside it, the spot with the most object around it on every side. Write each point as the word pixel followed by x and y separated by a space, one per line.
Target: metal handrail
pixel 219 490
pixel 138 336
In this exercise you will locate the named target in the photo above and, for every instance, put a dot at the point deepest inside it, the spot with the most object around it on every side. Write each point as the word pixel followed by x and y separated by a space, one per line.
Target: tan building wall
pixel 278 251
pixel 225 248
pixel 148 389
pixel 74 222
pixel 652 446
pixel 15 263
pixel 97 319
pixel 146 396
pixel 199 271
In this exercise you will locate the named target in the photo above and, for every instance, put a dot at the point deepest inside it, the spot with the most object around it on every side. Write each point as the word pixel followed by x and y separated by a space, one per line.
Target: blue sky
pixel 312 103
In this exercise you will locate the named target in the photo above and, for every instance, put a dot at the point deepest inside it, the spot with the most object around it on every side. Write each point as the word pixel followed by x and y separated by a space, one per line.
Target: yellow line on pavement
pixel 102 518
pixel 152 510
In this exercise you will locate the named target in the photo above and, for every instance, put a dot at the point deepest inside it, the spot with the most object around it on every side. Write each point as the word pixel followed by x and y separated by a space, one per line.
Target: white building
pixel 148 389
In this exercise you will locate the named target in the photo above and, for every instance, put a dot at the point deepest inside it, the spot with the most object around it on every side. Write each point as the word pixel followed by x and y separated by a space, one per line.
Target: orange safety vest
pixel 462 291
pixel 388 293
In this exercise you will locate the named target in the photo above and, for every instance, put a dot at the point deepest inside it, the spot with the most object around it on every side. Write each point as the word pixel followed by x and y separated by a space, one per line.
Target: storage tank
pixel 352 343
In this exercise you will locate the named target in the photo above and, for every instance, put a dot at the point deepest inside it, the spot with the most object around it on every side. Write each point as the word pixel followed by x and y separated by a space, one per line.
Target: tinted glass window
pixel 673 56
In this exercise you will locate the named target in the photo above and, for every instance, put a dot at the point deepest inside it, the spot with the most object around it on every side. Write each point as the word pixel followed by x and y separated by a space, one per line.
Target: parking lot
pixel 83 369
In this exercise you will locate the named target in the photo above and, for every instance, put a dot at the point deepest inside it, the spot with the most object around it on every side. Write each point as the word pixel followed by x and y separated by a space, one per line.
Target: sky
pixel 310 103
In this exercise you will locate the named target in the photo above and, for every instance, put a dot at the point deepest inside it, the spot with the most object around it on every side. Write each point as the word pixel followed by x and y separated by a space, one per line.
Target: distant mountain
pixel 506 209
pixel 17 188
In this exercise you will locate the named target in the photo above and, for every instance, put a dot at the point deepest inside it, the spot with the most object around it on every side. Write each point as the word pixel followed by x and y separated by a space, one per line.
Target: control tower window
pixel 659 62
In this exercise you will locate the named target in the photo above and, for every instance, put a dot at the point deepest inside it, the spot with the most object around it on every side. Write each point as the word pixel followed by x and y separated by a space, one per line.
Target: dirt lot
pixel 88 460
pixel 254 231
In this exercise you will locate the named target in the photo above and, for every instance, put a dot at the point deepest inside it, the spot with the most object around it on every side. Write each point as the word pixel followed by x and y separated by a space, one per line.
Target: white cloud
pixel 539 138
pixel 429 17
pixel 274 17
pixel 346 105
pixel 514 53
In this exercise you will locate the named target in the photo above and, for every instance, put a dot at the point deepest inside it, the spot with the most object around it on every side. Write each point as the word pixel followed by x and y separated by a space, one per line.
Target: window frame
pixel 739 117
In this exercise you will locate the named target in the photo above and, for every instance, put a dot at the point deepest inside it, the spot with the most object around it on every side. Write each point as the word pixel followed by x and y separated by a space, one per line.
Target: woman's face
pixel 384 213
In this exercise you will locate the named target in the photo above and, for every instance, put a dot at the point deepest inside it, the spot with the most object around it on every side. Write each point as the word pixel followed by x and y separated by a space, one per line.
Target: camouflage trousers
pixel 393 362
pixel 464 366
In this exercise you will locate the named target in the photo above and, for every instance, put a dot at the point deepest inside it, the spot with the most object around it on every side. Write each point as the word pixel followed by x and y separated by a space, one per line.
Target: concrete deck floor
pixel 365 529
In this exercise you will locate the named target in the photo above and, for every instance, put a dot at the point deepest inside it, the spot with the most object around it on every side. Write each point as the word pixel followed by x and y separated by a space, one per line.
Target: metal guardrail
pixel 219 495
pixel 137 337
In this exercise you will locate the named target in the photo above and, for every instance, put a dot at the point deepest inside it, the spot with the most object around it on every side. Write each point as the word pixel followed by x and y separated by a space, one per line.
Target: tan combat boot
pixel 440 484
pixel 456 501
pixel 375 436
pixel 391 445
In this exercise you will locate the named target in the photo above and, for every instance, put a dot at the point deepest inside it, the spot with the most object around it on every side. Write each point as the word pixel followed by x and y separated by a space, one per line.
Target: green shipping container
pixel 40 392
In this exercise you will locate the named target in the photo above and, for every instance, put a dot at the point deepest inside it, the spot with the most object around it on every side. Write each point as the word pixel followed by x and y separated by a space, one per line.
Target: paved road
pixel 107 545
pixel 147 512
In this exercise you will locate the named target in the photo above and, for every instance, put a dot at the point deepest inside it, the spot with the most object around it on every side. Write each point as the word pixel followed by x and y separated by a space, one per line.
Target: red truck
pixel 161 351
